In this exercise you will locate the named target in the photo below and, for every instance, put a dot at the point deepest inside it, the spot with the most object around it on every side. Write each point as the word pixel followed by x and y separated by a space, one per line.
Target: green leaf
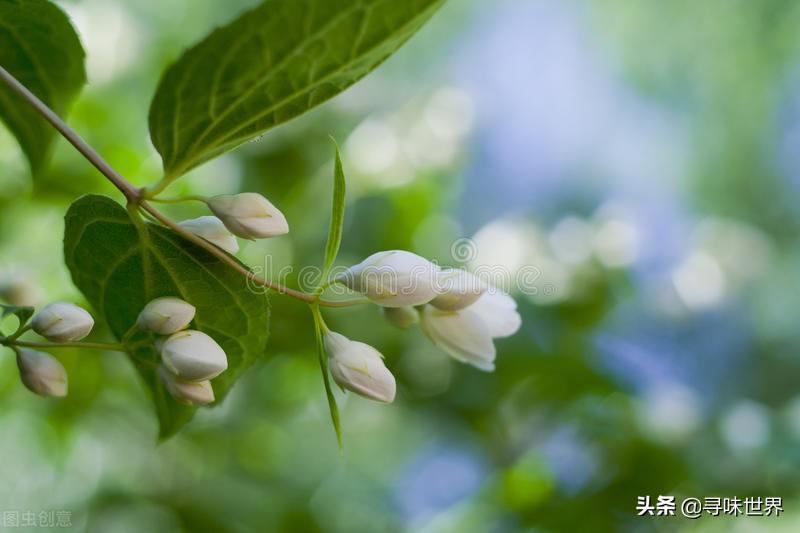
pixel 337 217
pixel 120 265
pixel 23 314
pixel 269 65
pixel 39 47
pixel 319 327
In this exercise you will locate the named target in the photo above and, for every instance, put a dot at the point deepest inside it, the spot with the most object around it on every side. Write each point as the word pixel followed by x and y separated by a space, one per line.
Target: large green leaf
pixel 120 268
pixel 40 48
pixel 270 65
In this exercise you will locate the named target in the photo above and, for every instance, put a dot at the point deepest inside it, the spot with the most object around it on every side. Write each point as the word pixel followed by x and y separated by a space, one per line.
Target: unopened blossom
pixel 401 317
pixel 62 322
pixel 166 315
pixel 193 356
pixel 359 367
pixel 457 289
pixel 499 312
pixel 213 230
pixel 249 215
pixel 19 290
pixel 42 373
pixel 393 278
pixel 186 392
pixel 467 335
pixel 461 334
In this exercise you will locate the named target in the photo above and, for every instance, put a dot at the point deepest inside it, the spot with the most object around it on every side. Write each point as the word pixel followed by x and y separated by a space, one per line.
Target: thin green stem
pixel 19 332
pixel 115 347
pixel 159 187
pixel 343 303
pixel 318 320
pixel 178 200
pixel 322 286
pixel 136 219
pixel 128 334
pixel 319 291
pixel 319 329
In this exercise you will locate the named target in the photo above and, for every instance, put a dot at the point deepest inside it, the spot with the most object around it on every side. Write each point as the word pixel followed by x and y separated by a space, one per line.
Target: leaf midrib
pixel 220 145
pixel 274 71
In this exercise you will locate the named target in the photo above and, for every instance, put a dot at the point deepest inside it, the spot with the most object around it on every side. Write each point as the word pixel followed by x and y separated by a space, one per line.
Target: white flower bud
pixel 498 311
pixel 394 278
pixel 62 322
pixel 457 289
pixel 461 334
pixel 193 356
pixel 214 231
pixel 42 373
pixel 249 215
pixel 186 392
pixel 359 367
pixel 467 335
pixel 166 315
pixel 19 290
pixel 401 317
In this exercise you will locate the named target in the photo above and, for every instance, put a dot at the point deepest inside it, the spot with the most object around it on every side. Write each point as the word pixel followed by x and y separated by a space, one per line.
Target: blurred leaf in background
pixel 40 48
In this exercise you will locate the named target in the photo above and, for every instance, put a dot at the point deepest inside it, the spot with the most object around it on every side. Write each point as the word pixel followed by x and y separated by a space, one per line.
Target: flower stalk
pixel 107 346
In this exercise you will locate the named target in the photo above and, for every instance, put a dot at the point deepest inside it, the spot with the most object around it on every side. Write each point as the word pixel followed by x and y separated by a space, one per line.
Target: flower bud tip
pixel 213 230
pixel 166 315
pixel 193 356
pixel 249 215
pixel 62 322
pixel 186 392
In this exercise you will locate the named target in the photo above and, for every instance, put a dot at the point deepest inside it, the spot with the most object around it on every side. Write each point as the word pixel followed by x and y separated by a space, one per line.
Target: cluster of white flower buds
pixel 458 312
pixel 247 215
pixel 190 359
pixel 58 322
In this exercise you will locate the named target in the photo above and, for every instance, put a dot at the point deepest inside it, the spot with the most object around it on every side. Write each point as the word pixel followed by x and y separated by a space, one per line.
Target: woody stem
pixel 136 196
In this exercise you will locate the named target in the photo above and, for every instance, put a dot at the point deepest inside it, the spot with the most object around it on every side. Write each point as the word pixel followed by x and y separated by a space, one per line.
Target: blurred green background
pixel 633 165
